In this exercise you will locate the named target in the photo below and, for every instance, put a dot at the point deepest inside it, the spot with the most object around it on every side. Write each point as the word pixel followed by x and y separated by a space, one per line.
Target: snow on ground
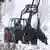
pixel 21 46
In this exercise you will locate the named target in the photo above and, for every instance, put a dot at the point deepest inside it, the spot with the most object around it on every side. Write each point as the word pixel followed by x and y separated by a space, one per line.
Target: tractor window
pixel 12 23
pixel 23 23
pixel 16 20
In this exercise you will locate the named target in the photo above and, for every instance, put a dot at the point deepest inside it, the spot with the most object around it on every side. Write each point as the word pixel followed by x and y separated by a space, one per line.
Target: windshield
pixel 14 21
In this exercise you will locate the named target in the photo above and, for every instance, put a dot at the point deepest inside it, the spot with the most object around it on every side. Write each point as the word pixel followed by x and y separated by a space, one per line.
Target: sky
pixel 48 2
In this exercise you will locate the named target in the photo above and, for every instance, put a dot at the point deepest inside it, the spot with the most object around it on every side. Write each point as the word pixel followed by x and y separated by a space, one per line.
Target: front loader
pixel 25 32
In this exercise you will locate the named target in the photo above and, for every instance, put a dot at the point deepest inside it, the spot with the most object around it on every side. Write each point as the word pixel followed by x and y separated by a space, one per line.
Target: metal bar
pixel 19 18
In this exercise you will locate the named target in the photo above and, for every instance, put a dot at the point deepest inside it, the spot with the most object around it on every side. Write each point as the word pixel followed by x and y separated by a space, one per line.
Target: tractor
pixel 24 32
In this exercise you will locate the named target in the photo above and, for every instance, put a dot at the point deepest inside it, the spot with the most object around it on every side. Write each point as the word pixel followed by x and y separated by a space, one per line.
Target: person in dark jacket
pixel 6 34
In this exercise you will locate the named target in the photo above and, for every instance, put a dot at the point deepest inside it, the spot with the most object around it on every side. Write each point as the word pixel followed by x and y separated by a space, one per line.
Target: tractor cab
pixel 13 23
pixel 15 28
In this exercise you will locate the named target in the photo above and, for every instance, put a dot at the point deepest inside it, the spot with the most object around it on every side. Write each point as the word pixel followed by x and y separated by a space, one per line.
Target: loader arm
pixel 40 35
pixel 24 13
pixel 32 13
